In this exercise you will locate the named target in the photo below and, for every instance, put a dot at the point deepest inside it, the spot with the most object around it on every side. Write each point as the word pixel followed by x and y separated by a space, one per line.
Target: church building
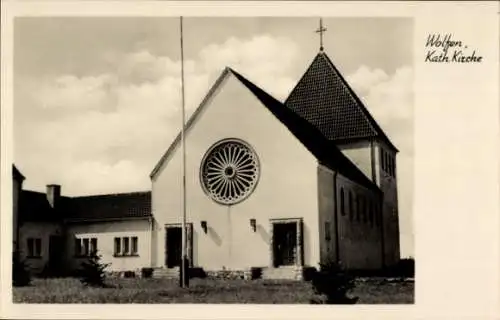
pixel 279 186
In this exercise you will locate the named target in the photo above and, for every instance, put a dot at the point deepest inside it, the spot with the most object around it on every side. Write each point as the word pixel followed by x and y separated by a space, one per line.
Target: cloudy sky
pixel 97 100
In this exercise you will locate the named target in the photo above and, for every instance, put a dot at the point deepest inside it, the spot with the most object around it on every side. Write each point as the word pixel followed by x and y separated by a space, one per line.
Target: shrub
pixel 146 272
pixel 406 267
pixel 20 274
pixel 129 274
pixel 93 271
pixel 333 284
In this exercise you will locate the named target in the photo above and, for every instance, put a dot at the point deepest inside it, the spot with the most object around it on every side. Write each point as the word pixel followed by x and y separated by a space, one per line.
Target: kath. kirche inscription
pixel 445 49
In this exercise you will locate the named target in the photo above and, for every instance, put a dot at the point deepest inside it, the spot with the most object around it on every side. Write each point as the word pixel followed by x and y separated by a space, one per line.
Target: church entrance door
pixel 173 244
pixel 285 244
pixel 174 247
pixel 56 246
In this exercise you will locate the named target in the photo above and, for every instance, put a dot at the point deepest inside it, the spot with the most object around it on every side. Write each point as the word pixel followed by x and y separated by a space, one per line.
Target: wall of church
pixel 36 260
pixel 327 223
pixel 105 233
pixel 287 187
pixel 359 229
pixel 387 182
pixel 360 153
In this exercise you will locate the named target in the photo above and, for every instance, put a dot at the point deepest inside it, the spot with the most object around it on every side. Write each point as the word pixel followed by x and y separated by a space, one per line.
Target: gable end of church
pixel 325 151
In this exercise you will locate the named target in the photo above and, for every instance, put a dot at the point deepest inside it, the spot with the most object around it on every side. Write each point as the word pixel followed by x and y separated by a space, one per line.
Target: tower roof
pixel 325 99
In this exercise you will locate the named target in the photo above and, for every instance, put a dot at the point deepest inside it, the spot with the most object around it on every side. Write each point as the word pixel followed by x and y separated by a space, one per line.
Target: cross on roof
pixel 321 30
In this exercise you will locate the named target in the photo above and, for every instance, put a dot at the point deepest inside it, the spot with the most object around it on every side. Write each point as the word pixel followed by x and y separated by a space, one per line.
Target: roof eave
pixel 78 220
pixel 189 123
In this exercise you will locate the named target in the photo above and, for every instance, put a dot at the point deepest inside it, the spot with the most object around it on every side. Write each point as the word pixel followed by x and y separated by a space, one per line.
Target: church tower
pixel 324 98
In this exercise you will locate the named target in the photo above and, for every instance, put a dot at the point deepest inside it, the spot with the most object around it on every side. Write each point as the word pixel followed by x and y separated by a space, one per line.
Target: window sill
pixel 125 255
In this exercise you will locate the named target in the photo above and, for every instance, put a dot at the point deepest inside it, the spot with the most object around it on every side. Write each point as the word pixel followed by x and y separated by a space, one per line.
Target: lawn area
pixel 70 290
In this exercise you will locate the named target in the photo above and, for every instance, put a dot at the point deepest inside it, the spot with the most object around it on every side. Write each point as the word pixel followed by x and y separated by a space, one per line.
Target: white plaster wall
pixel 360 154
pixel 287 187
pixel 42 230
pixel 105 232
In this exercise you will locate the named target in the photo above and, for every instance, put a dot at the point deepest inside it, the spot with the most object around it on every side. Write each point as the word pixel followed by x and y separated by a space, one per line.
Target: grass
pixel 70 290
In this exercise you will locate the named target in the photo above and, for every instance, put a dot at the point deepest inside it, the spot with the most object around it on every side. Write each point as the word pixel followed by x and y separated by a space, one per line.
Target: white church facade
pixel 279 186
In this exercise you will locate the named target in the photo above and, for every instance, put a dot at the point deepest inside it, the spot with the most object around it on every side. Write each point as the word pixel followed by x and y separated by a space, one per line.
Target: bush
pixel 146 272
pixel 333 284
pixel 129 274
pixel 20 274
pixel 93 271
pixel 406 267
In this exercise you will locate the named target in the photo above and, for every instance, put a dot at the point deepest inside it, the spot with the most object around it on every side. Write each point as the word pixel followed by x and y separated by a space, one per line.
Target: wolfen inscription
pixel 444 49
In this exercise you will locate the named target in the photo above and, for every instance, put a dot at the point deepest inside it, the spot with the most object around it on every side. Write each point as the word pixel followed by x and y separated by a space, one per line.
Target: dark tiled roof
pixel 16 174
pixel 324 98
pixel 34 207
pixel 323 149
pixel 109 206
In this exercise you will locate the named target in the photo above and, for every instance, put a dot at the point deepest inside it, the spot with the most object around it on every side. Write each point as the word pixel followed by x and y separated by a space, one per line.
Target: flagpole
pixel 184 260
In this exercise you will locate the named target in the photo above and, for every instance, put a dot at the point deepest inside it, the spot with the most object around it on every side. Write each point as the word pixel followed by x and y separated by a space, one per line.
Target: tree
pixel 20 274
pixel 333 284
pixel 93 271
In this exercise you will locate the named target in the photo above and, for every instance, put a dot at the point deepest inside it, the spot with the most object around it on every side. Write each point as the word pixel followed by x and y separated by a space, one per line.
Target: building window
pixel 378 215
pixel 366 210
pixel 93 246
pixel 393 167
pixel 351 206
pixel 78 247
pixel 232 164
pixel 372 210
pixel 327 231
pixel 34 247
pixel 342 204
pixel 382 158
pixel 134 246
pixel 358 207
pixel 118 247
pixel 85 247
pixel 390 165
pixel 126 246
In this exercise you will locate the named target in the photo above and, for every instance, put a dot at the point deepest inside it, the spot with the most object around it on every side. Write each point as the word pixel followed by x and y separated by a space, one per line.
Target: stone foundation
pixel 247 274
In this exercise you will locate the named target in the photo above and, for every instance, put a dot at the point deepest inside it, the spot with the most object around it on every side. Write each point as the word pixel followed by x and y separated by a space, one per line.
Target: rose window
pixel 229 171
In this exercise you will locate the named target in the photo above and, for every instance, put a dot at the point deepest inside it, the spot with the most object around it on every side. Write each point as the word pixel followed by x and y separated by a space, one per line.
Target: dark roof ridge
pixel 359 103
pixel 118 194
pixel 293 122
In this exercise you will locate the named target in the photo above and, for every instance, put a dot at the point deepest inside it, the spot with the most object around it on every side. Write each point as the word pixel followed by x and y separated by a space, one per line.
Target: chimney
pixel 53 194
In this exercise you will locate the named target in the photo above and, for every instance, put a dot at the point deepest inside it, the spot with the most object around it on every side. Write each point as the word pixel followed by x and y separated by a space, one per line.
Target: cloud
pixel 389 99
pixel 105 132
pixel 69 91
pixel 265 60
